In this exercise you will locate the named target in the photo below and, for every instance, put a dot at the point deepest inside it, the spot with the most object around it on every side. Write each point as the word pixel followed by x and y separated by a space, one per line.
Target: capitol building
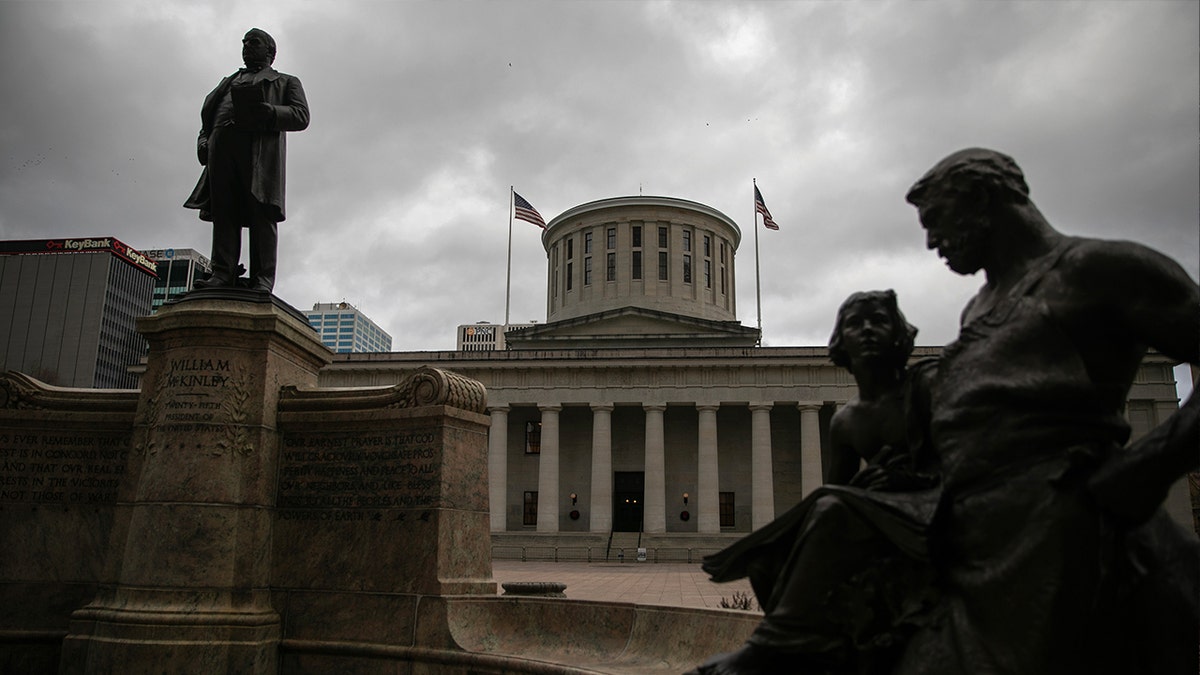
pixel 642 405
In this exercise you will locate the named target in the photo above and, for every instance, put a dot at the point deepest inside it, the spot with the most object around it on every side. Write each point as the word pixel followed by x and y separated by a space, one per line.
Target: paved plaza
pixel 672 584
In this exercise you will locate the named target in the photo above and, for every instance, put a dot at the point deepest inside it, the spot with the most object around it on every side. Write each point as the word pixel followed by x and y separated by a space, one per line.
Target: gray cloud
pixel 425 113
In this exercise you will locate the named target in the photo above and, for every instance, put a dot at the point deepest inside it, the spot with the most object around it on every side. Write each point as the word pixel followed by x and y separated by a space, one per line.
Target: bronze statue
pixel 872 339
pixel 243 151
pixel 1052 555
pixel 840 574
pixel 1048 551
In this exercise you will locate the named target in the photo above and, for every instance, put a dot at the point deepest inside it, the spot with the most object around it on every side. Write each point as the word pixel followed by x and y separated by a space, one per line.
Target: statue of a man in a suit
pixel 243 151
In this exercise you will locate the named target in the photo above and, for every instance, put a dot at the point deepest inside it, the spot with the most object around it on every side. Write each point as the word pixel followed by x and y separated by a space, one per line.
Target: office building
pixel 178 268
pixel 71 305
pixel 484 336
pixel 346 330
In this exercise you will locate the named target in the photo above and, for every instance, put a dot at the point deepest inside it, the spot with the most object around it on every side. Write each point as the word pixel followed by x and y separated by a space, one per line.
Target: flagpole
pixel 508 274
pixel 757 276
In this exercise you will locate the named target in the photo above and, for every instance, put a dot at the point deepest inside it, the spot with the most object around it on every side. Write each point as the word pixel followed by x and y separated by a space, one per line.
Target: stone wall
pixel 63 454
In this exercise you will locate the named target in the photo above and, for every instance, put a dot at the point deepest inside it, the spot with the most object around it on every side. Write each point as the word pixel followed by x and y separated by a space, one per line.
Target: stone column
pixel 654 511
pixel 498 468
pixel 762 482
pixel 547 519
pixel 708 518
pixel 811 474
pixel 601 509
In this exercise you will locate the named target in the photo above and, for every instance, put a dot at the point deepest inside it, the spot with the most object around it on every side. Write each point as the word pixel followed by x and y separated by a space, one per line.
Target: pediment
pixel 632 326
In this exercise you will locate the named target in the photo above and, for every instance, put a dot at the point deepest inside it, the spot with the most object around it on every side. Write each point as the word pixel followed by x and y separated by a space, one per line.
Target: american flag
pixel 526 212
pixel 761 207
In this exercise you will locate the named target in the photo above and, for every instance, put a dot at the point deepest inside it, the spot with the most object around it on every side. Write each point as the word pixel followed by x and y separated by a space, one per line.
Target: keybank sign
pixel 86 245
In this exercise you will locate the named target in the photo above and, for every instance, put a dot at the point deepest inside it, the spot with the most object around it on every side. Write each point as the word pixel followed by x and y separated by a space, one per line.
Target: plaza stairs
pixel 675 547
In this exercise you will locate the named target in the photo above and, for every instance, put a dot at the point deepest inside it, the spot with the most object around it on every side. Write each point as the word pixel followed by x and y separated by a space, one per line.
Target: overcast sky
pixel 424 113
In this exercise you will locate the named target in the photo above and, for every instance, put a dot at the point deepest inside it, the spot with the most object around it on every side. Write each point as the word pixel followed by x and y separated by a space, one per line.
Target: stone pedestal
pixel 186 584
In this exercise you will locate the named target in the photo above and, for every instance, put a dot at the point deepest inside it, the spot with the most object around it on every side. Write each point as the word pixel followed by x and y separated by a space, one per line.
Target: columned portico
pixel 655 514
pixel 601 488
pixel 547 514
pixel 498 468
pixel 707 484
pixel 762 488
pixel 811 474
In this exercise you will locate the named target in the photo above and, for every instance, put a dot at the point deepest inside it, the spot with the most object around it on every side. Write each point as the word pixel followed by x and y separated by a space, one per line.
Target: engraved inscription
pixel 54 468
pixel 203 399
pixel 347 471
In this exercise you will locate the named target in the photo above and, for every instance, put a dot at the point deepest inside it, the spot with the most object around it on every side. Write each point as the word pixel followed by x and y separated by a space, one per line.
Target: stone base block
pixel 105 640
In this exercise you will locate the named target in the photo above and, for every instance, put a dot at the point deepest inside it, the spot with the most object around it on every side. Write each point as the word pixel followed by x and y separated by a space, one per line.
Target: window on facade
pixel 533 438
pixel 687 269
pixel 687 240
pixel 707 246
pixel 722 253
pixel 662 265
pixel 570 248
pixel 662 237
pixel 587 243
pixel 637 236
pixel 611 237
pixel 529 516
pixel 637 265
pixel 726 505
pixel 722 280
pixel 708 274
pixel 587 271
pixel 570 274
pixel 611 268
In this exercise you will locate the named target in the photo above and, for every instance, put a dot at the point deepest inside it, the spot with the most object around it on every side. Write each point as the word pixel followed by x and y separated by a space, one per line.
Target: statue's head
pixel 958 200
pixel 258 49
pixel 870 325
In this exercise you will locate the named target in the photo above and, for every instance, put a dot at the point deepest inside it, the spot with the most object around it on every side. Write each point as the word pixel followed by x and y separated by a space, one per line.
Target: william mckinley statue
pixel 243 152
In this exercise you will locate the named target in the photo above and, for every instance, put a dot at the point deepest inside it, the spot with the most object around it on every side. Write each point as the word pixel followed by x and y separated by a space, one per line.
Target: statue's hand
pixel 892 474
pixel 870 478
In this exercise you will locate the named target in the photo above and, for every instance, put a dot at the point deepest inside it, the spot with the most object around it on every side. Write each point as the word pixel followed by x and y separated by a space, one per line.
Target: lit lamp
pixel 574 499
pixel 685 496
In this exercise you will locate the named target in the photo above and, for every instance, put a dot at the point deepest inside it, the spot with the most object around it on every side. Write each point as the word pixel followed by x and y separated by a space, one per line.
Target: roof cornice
pixel 625 202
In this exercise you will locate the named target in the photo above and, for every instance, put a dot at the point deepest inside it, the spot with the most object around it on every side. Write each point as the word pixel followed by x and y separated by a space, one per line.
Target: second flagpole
pixel 508 272
pixel 757 280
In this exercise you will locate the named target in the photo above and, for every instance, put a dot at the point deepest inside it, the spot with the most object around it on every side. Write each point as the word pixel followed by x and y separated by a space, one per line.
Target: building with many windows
pixel 484 336
pixel 178 268
pixel 642 405
pixel 346 330
pixel 70 307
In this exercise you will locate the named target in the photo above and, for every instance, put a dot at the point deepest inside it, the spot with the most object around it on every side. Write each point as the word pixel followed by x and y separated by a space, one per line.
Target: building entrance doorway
pixel 629 491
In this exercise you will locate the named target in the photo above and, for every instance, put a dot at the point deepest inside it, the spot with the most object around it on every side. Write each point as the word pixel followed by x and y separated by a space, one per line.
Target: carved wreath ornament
pixel 236 437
